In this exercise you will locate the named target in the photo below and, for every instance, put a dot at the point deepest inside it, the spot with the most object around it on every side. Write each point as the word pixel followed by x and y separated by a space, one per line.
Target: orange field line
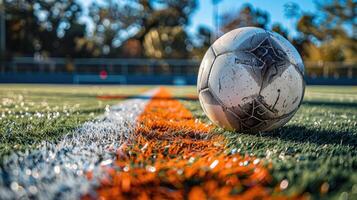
pixel 174 156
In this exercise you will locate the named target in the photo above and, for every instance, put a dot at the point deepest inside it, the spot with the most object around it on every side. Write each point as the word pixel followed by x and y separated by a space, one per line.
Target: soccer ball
pixel 251 80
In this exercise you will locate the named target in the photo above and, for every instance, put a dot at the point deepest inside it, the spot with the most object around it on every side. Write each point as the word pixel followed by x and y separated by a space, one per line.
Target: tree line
pixel 158 29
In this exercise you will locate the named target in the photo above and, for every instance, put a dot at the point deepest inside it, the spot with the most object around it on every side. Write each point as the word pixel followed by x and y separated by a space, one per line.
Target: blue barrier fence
pixel 66 78
pixel 143 71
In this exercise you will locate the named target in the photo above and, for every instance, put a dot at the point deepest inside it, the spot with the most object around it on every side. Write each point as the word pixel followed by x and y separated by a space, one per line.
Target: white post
pixel 2 29
pixel 350 71
pixel 2 26
pixel 215 17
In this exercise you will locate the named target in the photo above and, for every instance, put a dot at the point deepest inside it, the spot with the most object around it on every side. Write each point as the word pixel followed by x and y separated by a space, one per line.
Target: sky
pixel 204 13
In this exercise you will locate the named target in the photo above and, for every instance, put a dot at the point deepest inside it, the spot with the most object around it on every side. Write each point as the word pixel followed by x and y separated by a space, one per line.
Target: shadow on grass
pixel 318 136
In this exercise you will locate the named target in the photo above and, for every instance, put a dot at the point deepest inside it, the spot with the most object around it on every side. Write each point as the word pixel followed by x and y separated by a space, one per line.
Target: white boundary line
pixel 57 170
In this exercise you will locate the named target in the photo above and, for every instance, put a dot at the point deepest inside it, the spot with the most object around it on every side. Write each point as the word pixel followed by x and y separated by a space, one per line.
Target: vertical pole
pixel 2 34
pixel 215 20
pixel 350 72
pixel 325 69
pixel 125 70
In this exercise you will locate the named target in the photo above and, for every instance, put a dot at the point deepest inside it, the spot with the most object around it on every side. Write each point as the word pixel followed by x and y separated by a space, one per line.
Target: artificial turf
pixel 30 114
pixel 315 154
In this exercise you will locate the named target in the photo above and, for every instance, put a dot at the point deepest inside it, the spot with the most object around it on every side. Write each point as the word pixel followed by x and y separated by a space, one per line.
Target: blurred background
pixel 162 42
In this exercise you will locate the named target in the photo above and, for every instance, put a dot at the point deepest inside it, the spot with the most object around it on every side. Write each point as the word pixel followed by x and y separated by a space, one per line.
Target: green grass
pixel 316 152
pixel 30 114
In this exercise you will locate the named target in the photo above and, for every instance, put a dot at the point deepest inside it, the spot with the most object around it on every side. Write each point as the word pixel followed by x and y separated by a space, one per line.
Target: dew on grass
pixel 245 163
pixel 126 168
pixel 14 186
pixel 28 172
pixel 150 168
pixel 284 184
pixel 106 162
pixel 180 171
pixel 228 165
pixel 33 189
pixel 57 169
pixel 74 166
pixel 214 164
pixel 191 160
pixel 35 174
pixel 256 161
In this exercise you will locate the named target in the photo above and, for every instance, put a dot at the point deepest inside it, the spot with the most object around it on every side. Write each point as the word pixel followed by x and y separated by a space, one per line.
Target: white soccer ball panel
pixel 285 92
pixel 232 40
pixel 213 109
pixel 204 70
pixel 231 82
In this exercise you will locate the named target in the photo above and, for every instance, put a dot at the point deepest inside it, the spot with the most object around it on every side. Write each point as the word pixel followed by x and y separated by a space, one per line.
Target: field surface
pixel 30 114
pixel 172 146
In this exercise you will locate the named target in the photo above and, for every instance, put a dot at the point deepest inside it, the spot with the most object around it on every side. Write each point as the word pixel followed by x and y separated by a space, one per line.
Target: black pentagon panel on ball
pixel 253 40
pixel 254 113
pixel 292 54
pixel 205 69
pixel 272 58
pixel 252 122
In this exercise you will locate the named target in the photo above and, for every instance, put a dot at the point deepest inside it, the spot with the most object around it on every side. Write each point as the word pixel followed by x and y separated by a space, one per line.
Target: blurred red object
pixel 103 74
